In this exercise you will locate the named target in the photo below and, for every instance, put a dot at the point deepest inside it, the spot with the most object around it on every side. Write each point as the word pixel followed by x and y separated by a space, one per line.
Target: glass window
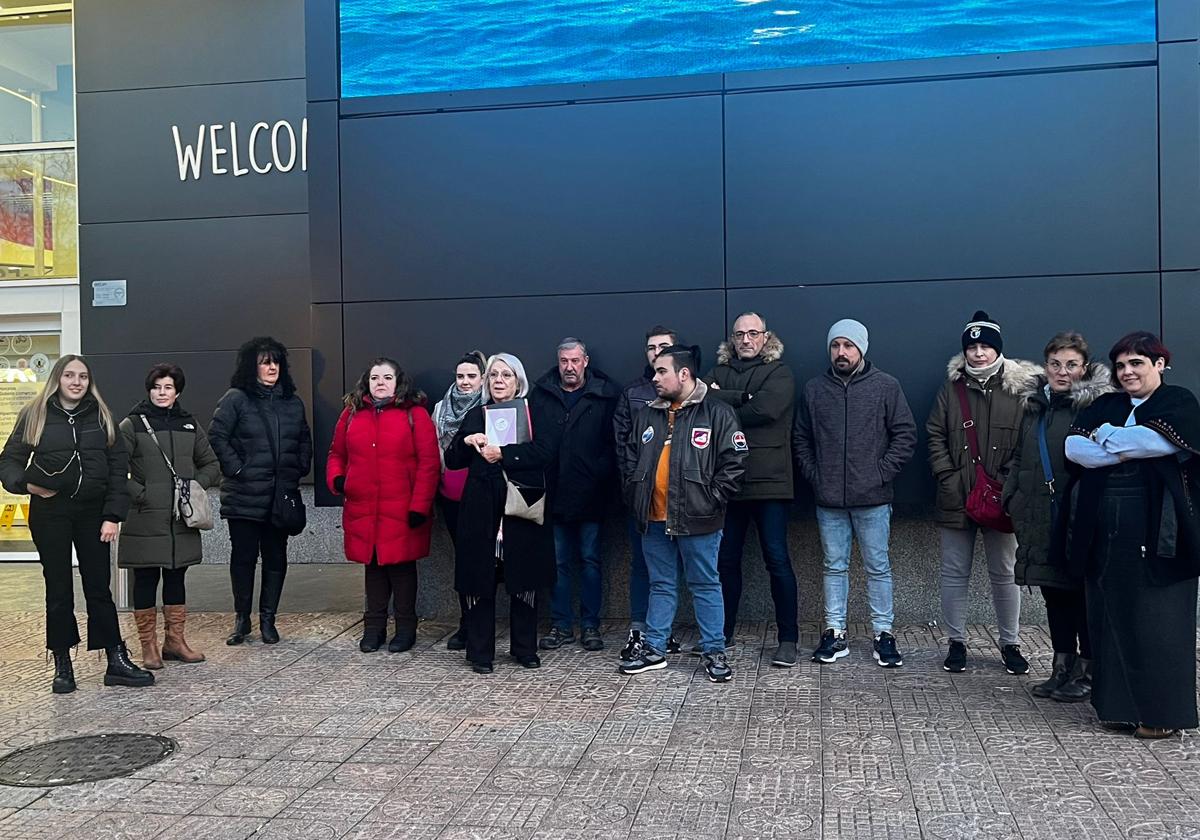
pixel 38 185
pixel 37 77
pixel 25 362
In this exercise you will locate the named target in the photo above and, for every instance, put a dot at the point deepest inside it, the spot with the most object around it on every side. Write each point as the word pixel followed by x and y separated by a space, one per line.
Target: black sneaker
pixel 885 651
pixel 557 639
pixel 645 658
pixel 673 645
pixel 832 648
pixel 1014 662
pixel 717 668
pixel 590 639
pixel 956 659
pixel 631 644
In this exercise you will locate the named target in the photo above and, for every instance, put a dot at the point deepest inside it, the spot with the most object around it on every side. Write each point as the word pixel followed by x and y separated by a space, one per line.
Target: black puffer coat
pixel 97 475
pixel 246 430
pixel 1026 496
pixel 586 478
pixel 153 536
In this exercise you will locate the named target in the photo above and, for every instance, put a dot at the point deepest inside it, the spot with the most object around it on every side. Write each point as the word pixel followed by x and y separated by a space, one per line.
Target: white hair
pixel 515 365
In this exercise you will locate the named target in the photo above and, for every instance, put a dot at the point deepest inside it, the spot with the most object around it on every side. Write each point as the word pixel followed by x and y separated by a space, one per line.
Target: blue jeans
pixel 771 520
pixel 699 556
pixel 639 578
pixel 576 541
pixel 872 526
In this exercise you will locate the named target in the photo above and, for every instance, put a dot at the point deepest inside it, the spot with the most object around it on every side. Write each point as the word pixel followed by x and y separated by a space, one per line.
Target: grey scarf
pixel 451 411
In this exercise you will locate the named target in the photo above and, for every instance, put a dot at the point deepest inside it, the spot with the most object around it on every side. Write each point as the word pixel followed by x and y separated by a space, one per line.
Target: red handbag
pixel 985 504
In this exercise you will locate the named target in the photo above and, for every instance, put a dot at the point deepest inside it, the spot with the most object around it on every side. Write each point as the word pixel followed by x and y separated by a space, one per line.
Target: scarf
pixel 451 411
pixel 983 374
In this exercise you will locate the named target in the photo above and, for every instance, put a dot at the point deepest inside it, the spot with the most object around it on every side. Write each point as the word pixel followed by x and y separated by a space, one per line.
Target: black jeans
pixel 480 621
pixel 397 583
pixel 248 539
pixel 145 587
pixel 55 524
pixel 770 517
pixel 1066 613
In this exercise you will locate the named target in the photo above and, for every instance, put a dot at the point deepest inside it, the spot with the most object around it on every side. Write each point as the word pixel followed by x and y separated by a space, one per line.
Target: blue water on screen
pixel 411 46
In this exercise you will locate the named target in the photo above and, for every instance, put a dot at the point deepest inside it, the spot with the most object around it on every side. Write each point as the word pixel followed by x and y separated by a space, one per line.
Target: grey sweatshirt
pixel 851 437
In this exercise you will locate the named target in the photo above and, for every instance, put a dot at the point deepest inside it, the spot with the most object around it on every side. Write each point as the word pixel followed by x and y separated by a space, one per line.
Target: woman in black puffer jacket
pixel 261 437
pixel 65 453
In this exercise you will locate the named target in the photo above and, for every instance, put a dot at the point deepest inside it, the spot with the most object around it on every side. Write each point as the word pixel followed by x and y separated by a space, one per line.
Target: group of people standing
pixel 1094 471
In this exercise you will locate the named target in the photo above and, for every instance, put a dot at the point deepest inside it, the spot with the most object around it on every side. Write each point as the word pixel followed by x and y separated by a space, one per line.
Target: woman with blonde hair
pixel 64 451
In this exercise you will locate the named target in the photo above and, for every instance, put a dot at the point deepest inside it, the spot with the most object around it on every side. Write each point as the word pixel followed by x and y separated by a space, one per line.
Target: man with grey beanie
pixel 853 433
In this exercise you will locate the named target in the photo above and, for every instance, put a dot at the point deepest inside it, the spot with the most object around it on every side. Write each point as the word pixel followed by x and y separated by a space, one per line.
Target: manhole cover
pixel 86 759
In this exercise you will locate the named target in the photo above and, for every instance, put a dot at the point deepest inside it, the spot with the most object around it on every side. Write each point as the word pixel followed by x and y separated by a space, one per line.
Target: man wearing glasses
pixel 750 377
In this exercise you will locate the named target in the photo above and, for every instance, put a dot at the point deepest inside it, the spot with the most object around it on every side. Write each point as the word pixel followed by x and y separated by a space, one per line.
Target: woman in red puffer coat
pixel 384 460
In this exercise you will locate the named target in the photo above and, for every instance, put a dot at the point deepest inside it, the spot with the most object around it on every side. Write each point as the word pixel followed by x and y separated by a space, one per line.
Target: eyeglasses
pixel 750 334
pixel 502 374
pixel 1059 367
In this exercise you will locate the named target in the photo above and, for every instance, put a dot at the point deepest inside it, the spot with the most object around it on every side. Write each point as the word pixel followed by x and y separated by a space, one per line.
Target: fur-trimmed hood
pixel 1017 377
pixel 772 351
pixel 1095 382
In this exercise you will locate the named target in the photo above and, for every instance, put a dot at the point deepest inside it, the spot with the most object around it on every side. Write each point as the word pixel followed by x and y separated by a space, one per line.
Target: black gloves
pixel 339 485
pixel 416 520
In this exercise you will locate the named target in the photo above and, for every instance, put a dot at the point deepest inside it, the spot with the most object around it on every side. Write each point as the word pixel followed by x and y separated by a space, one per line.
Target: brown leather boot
pixel 147 630
pixel 175 646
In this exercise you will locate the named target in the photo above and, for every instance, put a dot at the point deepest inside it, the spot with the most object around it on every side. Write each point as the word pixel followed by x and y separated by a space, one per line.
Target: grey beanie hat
pixel 851 329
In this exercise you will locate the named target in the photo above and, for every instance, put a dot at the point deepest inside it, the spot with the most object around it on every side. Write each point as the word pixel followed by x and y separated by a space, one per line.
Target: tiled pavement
pixel 312 739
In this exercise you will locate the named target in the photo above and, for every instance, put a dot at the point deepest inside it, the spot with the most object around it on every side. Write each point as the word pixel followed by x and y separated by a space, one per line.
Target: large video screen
pixel 419 46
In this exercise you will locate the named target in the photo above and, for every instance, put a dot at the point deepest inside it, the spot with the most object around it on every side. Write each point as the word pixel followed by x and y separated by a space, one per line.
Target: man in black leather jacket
pixel 681 463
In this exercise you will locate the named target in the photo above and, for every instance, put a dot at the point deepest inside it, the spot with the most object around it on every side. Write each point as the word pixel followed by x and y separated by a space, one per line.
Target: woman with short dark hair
pixel 164 442
pixel 261 436
pixel 1035 498
pixel 1136 536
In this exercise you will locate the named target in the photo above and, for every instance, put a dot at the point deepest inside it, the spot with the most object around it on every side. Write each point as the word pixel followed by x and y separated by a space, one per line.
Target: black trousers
pixel 480 621
pixel 145 587
pixel 55 525
pixel 397 583
pixel 1066 613
pixel 449 510
pixel 249 539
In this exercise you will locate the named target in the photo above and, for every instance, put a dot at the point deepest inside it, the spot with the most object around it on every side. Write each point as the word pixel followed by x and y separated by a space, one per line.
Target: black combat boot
pixel 1059 674
pixel 64 673
pixel 122 671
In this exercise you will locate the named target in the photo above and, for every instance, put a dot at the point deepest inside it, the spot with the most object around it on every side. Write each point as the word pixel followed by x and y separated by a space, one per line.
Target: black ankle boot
pixel 1078 686
pixel 458 641
pixel 402 641
pixel 241 629
pixel 1059 674
pixel 64 673
pixel 121 671
pixel 266 627
pixel 372 640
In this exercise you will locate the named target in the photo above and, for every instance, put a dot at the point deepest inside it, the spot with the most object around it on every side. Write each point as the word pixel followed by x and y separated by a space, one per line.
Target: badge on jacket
pixel 648 435
pixel 739 442
pixel 701 437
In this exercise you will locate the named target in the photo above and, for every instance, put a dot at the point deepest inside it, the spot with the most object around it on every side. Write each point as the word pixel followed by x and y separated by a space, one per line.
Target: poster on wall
pixel 388 47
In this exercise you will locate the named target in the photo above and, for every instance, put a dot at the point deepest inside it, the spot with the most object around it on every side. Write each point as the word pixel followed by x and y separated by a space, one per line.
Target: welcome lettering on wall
pixel 264 148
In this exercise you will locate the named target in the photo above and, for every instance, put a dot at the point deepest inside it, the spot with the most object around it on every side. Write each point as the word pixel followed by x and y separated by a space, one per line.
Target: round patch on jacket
pixel 648 435
pixel 701 438
pixel 739 442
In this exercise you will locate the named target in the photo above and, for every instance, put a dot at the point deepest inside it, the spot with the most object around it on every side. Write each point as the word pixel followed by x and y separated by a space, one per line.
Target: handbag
pixel 985 504
pixel 516 506
pixel 287 508
pixel 190 501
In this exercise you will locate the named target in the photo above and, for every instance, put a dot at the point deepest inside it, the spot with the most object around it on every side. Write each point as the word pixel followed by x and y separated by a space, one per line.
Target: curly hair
pixel 245 375
pixel 407 395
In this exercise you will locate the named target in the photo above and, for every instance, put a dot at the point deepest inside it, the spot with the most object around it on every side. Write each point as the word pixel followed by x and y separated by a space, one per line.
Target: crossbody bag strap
pixel 1044 452
pixel 161 451
pixel 960 387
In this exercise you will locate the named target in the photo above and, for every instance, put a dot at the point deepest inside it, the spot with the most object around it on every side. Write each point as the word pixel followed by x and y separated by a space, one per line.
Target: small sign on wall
pixel 108 293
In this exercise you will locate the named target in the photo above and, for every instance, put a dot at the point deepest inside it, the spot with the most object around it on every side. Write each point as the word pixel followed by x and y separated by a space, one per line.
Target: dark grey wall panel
pixel 324 203
pixel 129 168
pixel 1181 327
pixel 990 177
pixel 321 49
pixel 915 329
pixel 197 285
pixel 591 198
pixel 427 337
pixel 328 388
pixel 126 44
pixel 1179 126
pixel 121 378
pixel 1178 20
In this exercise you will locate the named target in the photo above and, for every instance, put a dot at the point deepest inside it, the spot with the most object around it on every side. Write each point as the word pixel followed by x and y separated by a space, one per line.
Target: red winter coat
pixel 391 466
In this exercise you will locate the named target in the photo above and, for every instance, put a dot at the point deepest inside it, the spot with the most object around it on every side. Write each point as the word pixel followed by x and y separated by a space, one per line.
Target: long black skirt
pixel 1143 636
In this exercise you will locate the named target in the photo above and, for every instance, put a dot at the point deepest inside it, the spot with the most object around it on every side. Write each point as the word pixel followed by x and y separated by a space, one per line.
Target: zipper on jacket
pixel 845 438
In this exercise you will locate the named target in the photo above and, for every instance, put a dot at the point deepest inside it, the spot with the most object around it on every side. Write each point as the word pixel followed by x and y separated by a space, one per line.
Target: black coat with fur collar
pixel 997 407
pixel 1027 499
